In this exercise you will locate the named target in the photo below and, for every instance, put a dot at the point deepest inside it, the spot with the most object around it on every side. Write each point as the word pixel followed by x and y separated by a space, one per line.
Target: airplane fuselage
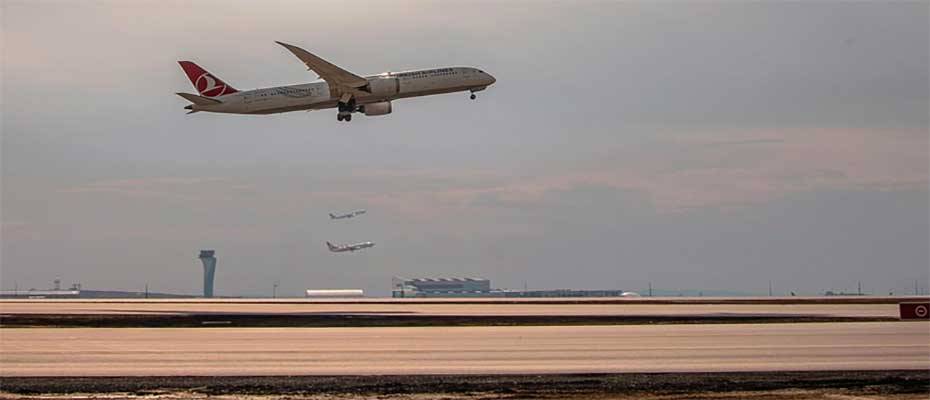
pixel 349 247
pixel 381 88
pixel 347 215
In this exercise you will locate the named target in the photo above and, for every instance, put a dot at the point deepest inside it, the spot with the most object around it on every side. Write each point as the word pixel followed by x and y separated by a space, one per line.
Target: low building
pixel 568 293
pixel 40 294
pixel 334 293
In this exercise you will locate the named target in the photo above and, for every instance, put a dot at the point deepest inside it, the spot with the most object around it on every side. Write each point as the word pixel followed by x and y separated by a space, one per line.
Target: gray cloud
pixel 700 145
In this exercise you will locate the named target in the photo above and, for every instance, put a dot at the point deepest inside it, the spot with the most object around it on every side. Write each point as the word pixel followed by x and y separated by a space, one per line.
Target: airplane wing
pixel 330 73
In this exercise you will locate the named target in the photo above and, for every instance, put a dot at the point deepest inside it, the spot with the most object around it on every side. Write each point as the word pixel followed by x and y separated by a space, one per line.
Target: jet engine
pixel 383 86
pixel 380 108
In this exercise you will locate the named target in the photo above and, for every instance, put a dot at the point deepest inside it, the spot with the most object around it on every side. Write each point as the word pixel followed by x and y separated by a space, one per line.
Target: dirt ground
pixel 790 394
pixel 834 385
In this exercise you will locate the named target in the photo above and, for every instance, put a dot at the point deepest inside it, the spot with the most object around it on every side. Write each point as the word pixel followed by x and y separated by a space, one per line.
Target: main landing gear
pixel 346 110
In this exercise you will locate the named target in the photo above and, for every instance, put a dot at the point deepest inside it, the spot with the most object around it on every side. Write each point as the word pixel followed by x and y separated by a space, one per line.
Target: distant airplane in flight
pixel 349 93
pixel 347 215
pixel 339 248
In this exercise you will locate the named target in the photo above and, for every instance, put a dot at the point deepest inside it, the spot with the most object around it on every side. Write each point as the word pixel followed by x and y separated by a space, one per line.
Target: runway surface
pixel 576 307
pixel 464 350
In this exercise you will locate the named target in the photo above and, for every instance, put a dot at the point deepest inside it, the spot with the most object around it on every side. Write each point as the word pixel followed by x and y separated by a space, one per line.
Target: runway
pixel 464 350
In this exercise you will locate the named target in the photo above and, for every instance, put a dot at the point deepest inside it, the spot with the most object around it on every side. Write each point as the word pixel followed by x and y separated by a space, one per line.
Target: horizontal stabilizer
pixel 199 100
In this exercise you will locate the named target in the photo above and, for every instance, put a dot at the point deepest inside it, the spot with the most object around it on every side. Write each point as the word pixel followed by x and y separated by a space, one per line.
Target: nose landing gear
pixel 475 90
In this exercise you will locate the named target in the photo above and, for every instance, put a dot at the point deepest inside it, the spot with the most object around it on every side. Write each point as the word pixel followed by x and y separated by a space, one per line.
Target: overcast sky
pixel 694 145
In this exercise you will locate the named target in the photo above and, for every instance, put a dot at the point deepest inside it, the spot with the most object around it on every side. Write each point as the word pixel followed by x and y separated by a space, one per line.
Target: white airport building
pixel 334 293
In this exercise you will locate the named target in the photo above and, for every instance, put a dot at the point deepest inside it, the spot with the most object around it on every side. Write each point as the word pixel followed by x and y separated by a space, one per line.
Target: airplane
pixel 349 93
pixel 349 247
pixel 347 215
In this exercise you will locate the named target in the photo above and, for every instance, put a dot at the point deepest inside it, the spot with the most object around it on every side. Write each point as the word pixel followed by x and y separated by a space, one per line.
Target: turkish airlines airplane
pixel 347 215
pixel 339 248
pixel 341 89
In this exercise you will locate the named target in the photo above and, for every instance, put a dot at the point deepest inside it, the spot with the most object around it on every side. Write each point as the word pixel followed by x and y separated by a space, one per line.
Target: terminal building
pixel 441 287
pixel 481 287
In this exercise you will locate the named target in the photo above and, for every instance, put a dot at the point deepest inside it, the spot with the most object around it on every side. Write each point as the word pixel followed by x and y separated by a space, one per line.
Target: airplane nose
pixel 492 79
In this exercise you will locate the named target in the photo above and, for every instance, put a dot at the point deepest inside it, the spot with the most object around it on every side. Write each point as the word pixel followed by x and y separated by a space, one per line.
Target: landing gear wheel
pixel 346 109
pixel 472 96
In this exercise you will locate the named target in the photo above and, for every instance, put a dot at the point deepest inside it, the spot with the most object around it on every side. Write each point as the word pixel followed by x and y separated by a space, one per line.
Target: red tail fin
pixel 207 84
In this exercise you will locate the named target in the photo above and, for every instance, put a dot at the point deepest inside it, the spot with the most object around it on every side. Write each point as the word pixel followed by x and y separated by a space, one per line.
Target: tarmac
pixel 606 348
pixel 856 307
pixel 124 313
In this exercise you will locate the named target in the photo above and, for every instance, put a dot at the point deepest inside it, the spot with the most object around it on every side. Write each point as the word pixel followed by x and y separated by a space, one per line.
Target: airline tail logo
pixel 206 83
pixel 207 86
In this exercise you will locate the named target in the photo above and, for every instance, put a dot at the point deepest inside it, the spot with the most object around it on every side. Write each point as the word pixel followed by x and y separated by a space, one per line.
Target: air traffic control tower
pixel 209 269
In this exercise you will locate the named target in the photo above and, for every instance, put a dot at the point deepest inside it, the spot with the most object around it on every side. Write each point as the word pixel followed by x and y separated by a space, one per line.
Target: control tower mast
pixel 209 269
